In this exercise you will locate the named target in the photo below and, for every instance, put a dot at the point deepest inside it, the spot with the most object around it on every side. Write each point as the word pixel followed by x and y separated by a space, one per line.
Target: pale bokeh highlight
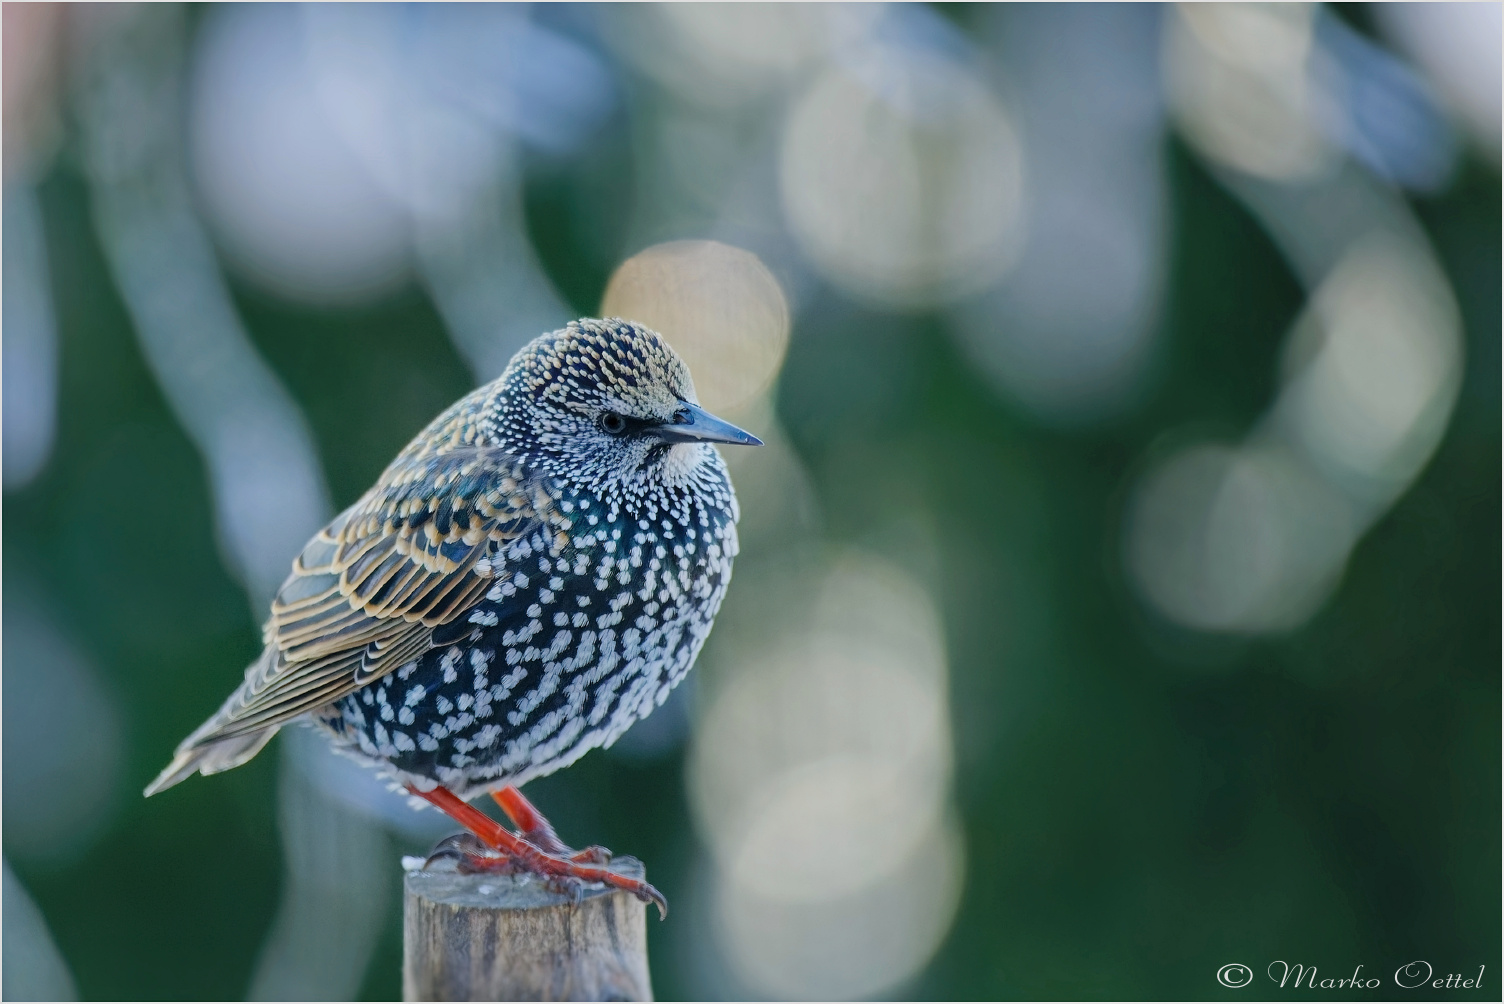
pixel 1238 76
pixel 718 306
pixel 1253 538
pixel 902 177
pixel 820 779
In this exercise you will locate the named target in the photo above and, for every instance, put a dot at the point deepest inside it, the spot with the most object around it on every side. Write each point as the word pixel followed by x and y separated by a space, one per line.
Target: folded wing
pixel 366 593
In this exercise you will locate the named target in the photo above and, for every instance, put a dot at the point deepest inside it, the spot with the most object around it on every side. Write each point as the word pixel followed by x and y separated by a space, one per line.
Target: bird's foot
pixel 539 832
pixel 471 856
pixel 546 840
pixel 489 847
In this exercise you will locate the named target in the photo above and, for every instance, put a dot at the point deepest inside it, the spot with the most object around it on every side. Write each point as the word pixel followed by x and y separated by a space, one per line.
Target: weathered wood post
pixel 505 937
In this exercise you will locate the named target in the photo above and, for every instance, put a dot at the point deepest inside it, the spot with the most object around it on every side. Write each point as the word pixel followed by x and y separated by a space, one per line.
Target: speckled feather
pixel 518 588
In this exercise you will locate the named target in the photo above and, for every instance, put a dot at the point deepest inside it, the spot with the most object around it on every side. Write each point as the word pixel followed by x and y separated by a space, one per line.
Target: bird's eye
pixel 613 424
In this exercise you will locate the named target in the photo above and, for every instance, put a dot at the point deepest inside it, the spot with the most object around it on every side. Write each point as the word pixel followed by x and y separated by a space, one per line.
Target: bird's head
pixel 603 401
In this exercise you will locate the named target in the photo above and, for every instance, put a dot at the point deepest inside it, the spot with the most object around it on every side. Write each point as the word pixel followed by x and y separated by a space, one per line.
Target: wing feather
pixel 367 590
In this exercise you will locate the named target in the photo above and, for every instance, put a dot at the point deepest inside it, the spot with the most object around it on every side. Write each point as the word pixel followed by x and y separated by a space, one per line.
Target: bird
pixel 532 574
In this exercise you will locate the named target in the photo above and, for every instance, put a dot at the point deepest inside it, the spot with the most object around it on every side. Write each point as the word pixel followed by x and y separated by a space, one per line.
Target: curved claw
pixel 648 894
pixel 567 885
pixel 457 846
pixel 563 867
pixel 513 851
pixel 551 865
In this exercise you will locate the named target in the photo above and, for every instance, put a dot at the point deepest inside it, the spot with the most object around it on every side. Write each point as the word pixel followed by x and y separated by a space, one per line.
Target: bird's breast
pixel 578 635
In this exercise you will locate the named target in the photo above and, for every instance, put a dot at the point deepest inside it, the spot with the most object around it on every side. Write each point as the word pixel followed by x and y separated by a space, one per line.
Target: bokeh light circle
pixel 717 305
pixel 820 780
pixel 288 200
pixel 1241 540
pixel 1373 368
pixel 901 177
pixel 1238 77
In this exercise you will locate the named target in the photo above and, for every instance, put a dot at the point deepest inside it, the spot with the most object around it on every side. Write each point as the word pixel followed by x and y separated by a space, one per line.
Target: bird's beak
pixel 693 424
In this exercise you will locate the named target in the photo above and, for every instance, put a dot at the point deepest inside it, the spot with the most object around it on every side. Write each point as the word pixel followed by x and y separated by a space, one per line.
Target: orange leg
pixel 525 856
pixel 539 832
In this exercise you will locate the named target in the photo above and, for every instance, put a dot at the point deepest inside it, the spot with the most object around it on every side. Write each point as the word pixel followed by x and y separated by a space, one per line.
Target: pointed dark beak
pixel 693 424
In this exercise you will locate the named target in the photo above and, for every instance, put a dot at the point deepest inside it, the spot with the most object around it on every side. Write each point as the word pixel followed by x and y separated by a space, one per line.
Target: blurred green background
pixel 1140 797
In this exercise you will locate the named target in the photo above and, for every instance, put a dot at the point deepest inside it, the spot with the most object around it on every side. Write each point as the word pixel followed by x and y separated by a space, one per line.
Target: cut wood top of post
pixel 511 937
pixel 502 892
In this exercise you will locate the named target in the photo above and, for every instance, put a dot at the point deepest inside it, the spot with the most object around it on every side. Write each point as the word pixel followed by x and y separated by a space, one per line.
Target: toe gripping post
pixel 479 925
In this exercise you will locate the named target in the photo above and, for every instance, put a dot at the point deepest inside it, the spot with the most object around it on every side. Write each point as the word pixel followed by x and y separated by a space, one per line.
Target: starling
pixel 532 574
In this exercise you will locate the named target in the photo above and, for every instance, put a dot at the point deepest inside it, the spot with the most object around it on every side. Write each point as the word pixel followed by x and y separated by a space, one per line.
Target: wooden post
pixel 505 937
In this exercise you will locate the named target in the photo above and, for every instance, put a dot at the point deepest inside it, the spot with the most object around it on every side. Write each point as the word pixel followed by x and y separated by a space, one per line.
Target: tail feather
pixel 211 758
pixel 208 750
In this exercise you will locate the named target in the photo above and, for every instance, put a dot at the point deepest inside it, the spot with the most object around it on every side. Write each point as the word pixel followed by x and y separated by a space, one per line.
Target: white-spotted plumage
pixel 565 653
pixel 535 572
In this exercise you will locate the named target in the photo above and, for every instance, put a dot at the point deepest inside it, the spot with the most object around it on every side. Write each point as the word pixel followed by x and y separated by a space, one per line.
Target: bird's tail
pixel 211 759
pixel 208 750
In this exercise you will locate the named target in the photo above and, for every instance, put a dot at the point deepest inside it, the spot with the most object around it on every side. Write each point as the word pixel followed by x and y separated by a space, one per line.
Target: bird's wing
pixel 368 590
